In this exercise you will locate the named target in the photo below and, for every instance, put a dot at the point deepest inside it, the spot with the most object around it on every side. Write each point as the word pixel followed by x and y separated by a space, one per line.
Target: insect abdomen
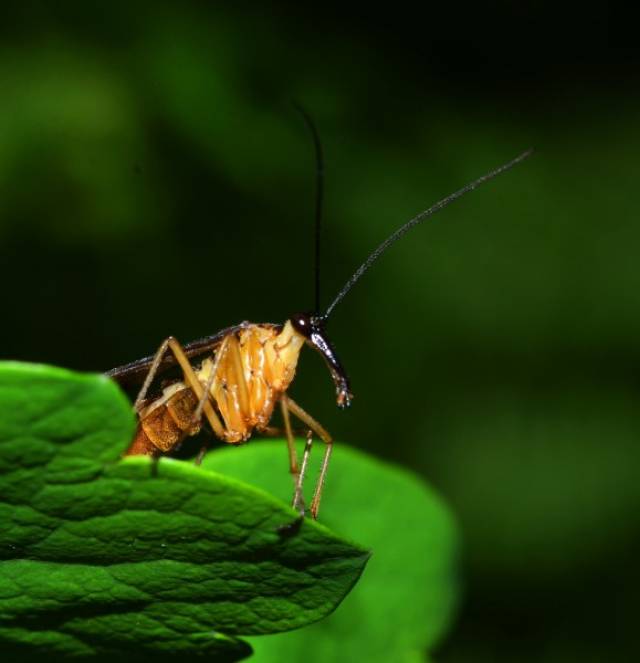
pixel 164 426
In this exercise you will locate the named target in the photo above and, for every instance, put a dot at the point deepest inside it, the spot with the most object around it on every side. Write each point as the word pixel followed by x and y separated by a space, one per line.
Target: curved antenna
pixel 319 195
pixel 415 221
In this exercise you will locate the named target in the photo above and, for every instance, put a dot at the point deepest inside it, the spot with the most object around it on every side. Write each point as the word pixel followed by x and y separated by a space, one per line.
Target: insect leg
pixel 291 445
pixel 222 350
pixel 190 378
pixel 243 390
pixel 298 502
pixel 197 413
pixel 296 472
pixel 201 454
pixel 157 360
pixel 308 420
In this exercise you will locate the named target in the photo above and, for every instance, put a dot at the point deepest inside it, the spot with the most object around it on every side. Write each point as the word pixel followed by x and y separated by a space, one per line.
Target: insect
pixel 236 378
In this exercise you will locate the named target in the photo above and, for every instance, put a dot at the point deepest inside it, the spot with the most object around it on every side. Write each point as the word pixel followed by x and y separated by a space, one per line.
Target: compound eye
pixel 301 323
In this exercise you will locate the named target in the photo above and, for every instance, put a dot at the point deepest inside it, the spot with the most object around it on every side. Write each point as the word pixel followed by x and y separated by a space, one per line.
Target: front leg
pixel 309 421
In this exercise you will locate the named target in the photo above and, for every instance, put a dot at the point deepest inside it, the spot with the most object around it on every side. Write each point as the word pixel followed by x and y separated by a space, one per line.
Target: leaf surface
pixel 408 597
pixel 102 556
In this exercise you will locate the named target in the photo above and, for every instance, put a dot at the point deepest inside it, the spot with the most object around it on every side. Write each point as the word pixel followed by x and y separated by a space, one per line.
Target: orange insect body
pixel 245 387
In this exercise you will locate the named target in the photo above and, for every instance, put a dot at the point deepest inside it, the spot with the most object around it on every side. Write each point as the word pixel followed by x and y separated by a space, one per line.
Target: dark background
pixel 154 180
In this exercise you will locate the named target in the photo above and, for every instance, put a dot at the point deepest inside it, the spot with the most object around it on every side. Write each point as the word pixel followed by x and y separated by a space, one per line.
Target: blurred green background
pixel 154 180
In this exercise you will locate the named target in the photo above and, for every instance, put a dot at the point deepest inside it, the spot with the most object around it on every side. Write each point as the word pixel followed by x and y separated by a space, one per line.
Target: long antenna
pixel 415 221
pixel 319 196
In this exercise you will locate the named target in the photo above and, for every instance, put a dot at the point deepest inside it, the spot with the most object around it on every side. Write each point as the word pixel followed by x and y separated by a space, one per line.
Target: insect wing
pixel 135 372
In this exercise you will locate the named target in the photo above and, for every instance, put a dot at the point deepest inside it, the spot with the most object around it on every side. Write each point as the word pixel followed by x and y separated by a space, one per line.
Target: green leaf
pixel 406 602
pixel 101 556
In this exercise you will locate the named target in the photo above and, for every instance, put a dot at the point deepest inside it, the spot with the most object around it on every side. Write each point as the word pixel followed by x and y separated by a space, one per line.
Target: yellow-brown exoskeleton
pixel 235 388
pixel 235 379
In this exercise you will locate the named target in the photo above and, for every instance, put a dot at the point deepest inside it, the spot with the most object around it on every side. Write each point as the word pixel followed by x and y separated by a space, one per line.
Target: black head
pixel 311 326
